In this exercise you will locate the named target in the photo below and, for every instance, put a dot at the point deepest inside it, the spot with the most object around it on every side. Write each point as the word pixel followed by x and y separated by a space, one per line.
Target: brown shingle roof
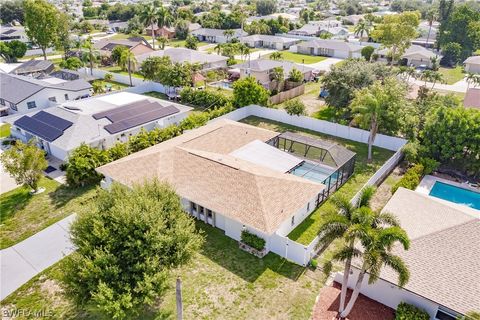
pixel 197 164
pixel 443 258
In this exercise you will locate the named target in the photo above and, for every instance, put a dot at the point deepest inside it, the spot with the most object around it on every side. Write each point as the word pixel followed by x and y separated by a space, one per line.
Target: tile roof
pixel 443 258
pixel 200 168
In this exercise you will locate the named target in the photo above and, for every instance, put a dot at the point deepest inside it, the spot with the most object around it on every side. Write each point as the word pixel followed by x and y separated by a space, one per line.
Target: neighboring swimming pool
pixel 222 84
pixel 455 194
pixel 314 172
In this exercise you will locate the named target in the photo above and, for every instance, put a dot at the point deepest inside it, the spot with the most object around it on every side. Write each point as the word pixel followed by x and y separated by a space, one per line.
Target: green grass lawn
pixel 5 130
pixel 221 282
pixel 23 214
pixel 181 43
pixel 299 58
pixel 452 75
pixel 307 230
pixel 117 69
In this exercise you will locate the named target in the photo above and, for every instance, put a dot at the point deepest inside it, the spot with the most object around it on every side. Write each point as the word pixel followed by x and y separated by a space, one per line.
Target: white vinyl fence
pixel 125 79
pixel 283 246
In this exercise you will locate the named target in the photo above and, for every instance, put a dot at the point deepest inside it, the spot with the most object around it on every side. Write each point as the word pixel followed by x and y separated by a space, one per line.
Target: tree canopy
pixel 13 50
pixel 247 91
pixel 126 245
pixel 265 7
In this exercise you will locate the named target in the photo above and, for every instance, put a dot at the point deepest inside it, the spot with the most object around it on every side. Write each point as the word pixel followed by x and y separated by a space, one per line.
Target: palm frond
pixel 388 236
pixel 387 218
pixel 366 196
pixel 399 266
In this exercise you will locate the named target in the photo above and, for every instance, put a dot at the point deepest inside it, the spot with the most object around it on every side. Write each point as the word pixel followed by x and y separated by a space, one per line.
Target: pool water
pixel 456 194
pixel 314 172
pixel 222 84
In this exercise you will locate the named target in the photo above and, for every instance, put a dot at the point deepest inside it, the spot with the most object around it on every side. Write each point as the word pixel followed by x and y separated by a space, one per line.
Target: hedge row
pixel 407 311
pixel 253 240
pixel 410 179
pixel 203 98
pixel 85 159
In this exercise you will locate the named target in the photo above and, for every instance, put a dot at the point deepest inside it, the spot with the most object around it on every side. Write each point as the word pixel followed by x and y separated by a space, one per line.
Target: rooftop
pixel 182 55
pixel 206 165
pixel 218 32
pixel 267 64
pixel 331 44
pixel 269 38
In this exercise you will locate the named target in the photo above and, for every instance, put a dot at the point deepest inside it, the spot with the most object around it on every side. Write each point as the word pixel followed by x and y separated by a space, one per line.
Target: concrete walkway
pixel 23 261
pixel 324 65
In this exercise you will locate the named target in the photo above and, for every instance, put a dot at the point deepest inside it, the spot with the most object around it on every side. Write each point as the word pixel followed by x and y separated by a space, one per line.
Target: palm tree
pixel 276 55
pixel 149 16
pixel 128 61
pixel 436 77
pixel 339 223
pixel 218 48
pixel 244 50
pixel 363 27
pixel 89 55
pixel 277 74
pixel 431 17
pixel 377 242
pixel 228 34
pixel 165 18
pixel 471 78
pixel 162 41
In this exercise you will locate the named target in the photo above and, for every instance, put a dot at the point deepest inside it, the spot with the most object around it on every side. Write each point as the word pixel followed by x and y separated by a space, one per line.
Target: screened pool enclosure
pixel 324 162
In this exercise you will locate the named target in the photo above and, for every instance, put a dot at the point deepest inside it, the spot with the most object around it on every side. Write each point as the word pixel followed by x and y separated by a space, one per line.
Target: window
pixel 31 105
pixel 308 206
pixel 13 106
pixel 444 315
pixel 293 220
pixel 2 102
pixel 66 96
pixel 53 99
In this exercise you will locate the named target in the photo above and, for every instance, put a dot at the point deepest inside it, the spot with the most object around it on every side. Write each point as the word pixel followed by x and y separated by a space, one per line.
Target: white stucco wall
pixel 473 68
pixel 41 99
pixel 287 226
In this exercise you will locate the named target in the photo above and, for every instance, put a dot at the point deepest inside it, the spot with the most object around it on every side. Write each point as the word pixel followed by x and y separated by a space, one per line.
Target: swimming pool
pixel 222 84
pixel 455 194
pixel 314 172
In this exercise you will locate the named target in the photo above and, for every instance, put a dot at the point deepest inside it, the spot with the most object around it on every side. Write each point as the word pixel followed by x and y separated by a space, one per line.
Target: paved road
pixel 23 261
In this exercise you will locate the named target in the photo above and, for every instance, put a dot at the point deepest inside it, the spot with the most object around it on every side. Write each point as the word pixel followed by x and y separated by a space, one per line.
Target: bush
pixel 367 52
pixel 248 91
pixel 82 164
pixel 314 263
pixel 253 240
pixel 410 179
pixel 63 166
pixel 203 98
pixel 429 165
pixel 295 107
pixel 407 311
pixel 411 150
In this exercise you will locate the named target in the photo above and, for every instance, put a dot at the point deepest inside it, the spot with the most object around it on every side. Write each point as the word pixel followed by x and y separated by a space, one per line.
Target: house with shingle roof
pixel 414 55
pixel 217 35
pixel 443 258
pixel 227 175
pixel 329 48
pixel 472 64
pixel 268 41
pixel 21 94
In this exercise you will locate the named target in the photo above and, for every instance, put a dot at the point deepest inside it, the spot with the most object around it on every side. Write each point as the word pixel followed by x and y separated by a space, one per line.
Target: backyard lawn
pixel 181 43
pixel 221 282
pixel 4 130
pixel 298 58
pixel 117 69
pixel 23 214
pixel 452 75
pixel 307 230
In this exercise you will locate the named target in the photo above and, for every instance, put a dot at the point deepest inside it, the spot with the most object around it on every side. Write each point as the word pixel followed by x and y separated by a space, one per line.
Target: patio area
pixel 326 306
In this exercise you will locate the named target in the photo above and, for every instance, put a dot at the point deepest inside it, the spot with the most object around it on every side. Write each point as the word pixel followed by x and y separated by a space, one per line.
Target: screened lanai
pixel 328 163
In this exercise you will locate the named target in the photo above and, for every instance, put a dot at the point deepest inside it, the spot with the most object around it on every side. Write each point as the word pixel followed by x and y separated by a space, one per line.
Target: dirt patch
pixel 384 190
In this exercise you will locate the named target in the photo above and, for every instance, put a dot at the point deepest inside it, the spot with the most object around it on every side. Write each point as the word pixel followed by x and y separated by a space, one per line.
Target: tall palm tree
pixel 431 17
pixel 165 18
pixel 377 242
pixel 162 42
pixel 341 222
pixel 228 34
pixel 149 17
pixel 363 27
pixel 89 55
pixel 218 48
pixel 128 61
pixel 471 79
pixel 277 74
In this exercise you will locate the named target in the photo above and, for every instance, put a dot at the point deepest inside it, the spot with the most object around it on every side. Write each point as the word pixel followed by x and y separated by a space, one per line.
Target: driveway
pixel 23 261
pixel 7 183
pixel 460 86
pixel 256 54
pixel 324 65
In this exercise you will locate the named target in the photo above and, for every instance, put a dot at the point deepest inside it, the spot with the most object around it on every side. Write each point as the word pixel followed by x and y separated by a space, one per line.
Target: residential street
pixel 26 259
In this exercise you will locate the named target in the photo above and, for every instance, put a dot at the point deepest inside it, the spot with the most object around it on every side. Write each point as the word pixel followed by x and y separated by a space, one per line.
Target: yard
pixel 452 75
pixel 23 214
pixel 117 69
pixel 221 282
pixel 4 130
pixel 298 57
pixel 308 229
pixel 182 43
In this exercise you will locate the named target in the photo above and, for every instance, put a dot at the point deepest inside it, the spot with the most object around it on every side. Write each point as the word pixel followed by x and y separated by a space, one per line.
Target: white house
pixel 330 48
pixel 21 94
pixel 10 33
pixel 472 64
pixel 415 55
pixel 217 35
pixel 443 258
pixel 228 176
pixel 270 42
pixel 99 121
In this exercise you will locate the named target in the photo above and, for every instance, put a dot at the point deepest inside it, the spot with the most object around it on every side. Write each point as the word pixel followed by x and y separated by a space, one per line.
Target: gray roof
pixel 331 44
pixel 183 55
pixel 33 66
pixel 444 250
pixel 473 60
pixel 110 44
pixel 267 64
pixel 413 50
pixel 218 32
pixel 269 38
pixel 15 88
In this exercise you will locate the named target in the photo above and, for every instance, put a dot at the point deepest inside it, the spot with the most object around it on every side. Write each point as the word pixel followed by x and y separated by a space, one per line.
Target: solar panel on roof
pixel 38 128
pixel 9 31
pixel 134 111
pixel 140 119
pixel 53 121
pixel 107 113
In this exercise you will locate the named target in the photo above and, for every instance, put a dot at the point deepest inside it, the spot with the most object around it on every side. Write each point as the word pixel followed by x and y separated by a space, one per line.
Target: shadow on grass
pixel 225 252
pixel 64 194
pixel 13 202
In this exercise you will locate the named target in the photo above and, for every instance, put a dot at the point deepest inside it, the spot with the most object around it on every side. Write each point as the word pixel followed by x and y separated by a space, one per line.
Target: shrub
pixel 253 240
pixel 63 166
pixel 429 165
pixel 367 52
pixel 295 75
pixel 82 163
pixel 247 91
pixel 314 263
pixel 410 179
pixel 108 77
pixel 295 107
pixel 410 150
pixel 202 98
pixel 407 311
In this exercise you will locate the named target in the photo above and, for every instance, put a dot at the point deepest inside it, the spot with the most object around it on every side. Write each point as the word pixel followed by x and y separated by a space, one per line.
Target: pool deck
pixel 426 186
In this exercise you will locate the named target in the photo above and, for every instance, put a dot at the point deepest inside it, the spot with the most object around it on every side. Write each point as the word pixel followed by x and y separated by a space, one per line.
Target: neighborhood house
pixel 329 48
pixel 218 35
